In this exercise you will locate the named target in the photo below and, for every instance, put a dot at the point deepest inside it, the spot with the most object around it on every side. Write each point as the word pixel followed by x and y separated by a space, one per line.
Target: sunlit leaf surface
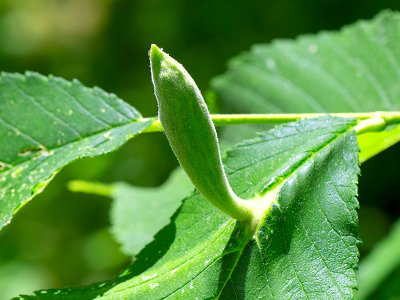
pixel 356 69
pixel 311 168
pixel 46 123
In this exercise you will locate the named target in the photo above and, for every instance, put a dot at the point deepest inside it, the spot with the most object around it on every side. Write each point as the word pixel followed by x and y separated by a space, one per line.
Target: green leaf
pixel 138 213
pixel 49 122
pixel 306 247
pixel 373 143
pixel 185 259
pixel 354 70
pixel 379 266
pixel 198 252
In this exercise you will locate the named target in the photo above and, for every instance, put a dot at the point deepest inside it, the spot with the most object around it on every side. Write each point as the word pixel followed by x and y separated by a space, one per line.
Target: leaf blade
pixel 353 70
pixel 48 123
pixel 201 232
pixel 133 207
pixel 306 247
pixel 141 205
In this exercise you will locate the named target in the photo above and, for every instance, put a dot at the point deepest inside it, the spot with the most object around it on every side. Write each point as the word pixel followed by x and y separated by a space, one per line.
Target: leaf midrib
pixel 281 180
pixel 202 247
pixel 141 119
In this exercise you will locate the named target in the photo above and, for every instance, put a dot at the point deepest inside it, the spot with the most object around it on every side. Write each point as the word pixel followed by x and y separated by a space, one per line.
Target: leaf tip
pixel 157 55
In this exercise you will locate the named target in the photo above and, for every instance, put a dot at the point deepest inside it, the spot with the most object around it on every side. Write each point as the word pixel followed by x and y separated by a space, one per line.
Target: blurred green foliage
pixel 62 238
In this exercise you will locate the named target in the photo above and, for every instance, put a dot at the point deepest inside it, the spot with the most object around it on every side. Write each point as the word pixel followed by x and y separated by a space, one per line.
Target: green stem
pixel 88 187
pixel 380 119
pixel 378 122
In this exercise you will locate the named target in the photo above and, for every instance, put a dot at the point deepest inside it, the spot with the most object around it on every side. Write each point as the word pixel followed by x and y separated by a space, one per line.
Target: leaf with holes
pixel 354 70
pixel 47 123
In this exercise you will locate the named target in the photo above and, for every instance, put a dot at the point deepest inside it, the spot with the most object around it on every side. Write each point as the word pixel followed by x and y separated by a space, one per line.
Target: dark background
pixel 61 238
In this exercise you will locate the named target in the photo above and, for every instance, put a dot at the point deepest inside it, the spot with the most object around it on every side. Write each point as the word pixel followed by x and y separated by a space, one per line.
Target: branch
pixel 379 120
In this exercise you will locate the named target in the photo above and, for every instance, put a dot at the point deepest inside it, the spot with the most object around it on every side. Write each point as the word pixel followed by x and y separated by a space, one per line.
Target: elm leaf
pixel 48 122
pixel 204 254
pixel 356 69
pixel 133 208
pixel 306 246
